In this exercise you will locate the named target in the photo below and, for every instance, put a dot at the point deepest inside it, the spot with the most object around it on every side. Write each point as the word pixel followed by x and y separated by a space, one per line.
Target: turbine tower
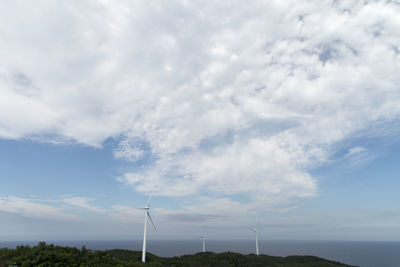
pixel 204 242
pixel 147 214
pixel 255 231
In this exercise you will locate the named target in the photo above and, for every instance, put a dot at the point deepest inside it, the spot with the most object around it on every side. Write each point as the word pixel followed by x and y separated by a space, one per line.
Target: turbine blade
pixel 151 195
pixel 252 229
pixel 148 201
pixel 148 214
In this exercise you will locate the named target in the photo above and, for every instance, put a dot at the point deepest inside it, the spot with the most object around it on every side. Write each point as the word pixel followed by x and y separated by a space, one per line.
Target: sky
pixel 281 115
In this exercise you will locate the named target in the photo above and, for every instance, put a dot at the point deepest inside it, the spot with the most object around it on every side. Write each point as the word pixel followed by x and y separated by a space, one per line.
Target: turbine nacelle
pixel 252 229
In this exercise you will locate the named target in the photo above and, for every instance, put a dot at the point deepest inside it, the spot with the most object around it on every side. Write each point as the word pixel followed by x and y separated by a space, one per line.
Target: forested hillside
pixel 51 255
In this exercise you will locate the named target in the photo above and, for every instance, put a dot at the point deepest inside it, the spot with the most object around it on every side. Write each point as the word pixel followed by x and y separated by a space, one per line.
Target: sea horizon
pixel 358 253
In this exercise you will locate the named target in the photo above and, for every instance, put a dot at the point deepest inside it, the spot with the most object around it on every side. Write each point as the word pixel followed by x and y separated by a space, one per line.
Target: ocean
pixel 359 253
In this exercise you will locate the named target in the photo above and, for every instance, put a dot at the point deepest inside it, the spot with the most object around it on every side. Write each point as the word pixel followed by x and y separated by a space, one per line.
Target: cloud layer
pixel 229 99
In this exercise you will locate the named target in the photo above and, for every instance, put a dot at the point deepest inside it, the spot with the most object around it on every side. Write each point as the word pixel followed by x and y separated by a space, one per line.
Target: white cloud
pixel 129 149
pixel 229 98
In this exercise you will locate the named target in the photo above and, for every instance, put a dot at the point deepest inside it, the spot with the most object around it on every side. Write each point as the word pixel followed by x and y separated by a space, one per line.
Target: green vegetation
pixel 49 255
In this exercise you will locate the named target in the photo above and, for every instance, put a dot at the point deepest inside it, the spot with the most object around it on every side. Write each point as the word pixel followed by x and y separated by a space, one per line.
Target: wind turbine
pixel 204 242
pixel 255 231
pixel 147 214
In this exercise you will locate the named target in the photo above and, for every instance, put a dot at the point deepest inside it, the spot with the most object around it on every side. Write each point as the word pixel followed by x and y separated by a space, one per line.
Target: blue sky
pixel 284 116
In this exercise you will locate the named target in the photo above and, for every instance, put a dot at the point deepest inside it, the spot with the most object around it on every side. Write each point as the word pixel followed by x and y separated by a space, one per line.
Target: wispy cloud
pixel 84 203
pixel 57 208
pixel 127 214
pixel 31 208
pixel 357 156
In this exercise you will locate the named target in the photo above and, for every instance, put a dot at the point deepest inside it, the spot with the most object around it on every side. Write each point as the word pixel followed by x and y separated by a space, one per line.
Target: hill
pixel 51 255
